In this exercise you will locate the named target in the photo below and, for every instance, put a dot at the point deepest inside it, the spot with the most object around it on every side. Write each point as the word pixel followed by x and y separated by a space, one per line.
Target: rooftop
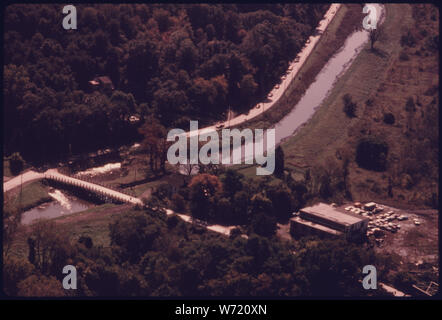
pixel 316 226
pixel 328 212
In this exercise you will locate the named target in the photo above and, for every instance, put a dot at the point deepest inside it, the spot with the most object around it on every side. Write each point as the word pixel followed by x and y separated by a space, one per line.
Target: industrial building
pixel 327 221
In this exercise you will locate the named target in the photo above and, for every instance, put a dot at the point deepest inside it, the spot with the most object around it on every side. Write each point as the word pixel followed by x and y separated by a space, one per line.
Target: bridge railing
pixel 86 179
pixel 78 183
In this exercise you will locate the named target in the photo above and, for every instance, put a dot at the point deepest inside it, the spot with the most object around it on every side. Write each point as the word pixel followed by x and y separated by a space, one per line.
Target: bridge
pixel 54 175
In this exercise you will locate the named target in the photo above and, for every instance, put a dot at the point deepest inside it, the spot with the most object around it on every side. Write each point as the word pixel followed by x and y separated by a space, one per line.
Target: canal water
pixel 61 205
pixel 321 87
pixel 316 92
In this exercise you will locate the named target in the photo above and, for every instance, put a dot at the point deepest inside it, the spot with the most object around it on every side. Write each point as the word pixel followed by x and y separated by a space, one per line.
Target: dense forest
pixel 177 62
pixel 154 255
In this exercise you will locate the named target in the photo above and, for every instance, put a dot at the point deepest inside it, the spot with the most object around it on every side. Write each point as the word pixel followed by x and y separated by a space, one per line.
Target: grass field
pixel 33 194
pixel 329 124
pixel 93 223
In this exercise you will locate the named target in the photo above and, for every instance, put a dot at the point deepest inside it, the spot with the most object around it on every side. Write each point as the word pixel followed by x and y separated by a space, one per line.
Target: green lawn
pixel 96 227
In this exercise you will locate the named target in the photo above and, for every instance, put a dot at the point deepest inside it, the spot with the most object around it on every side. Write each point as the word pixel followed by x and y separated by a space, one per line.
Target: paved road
pixel 23 178
pixel 278 90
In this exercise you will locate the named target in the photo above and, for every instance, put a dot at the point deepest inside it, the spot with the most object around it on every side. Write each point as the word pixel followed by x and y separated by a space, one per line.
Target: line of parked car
pixel 379 220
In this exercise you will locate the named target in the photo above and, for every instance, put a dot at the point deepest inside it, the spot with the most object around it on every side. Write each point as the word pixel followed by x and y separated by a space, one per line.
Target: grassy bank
pixel 379 81
pixel 93 223
pixel 346 20
pixel 328 126
pixel 32 195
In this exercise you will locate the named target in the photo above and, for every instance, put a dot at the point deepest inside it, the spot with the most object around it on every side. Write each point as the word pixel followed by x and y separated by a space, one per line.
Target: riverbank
pixel 32 195
pixel 379 81
pixel 347 20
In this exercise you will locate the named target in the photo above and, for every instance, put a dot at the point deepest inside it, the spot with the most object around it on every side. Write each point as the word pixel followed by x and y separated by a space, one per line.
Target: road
pixel 278 90
pixel 23 178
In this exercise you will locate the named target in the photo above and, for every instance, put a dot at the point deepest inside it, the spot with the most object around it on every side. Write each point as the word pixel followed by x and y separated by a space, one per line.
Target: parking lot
pixel 409 237
pixel 383 219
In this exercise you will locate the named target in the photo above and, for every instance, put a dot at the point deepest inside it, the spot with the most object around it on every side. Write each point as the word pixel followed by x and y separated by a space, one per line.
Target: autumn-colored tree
pixel 155 143
pixel 41 286
pixel 15 270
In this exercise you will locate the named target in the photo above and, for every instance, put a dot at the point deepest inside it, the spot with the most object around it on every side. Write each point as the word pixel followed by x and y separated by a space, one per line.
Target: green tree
pixel 133 235
pixel 263 225
pixel 279 162
pixel 232 182
pixel 350 107
pixel 281 199
pixel 205 190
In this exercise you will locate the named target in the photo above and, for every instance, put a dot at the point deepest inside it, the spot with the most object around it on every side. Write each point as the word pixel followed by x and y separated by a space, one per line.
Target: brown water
pixel 62 205
pixel 322 85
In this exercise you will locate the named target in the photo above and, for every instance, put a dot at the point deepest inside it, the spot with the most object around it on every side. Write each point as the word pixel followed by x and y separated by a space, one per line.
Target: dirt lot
pixel 414 243
pixel 413 248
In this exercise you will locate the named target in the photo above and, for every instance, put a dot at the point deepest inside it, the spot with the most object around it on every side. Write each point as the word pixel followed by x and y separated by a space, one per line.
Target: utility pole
pixel 21 188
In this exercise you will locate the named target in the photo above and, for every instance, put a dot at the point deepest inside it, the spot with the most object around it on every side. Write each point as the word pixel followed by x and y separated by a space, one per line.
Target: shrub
pixel 408 40
pixel 371 154
pixel 16 163
pixel 404 56
pixel 410 106
pixel 178 203
pixel 349 106
pixel 389 118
